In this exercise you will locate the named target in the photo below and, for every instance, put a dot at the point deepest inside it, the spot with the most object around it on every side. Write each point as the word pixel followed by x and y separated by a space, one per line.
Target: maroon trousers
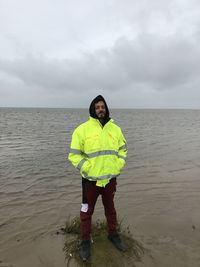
pixel 90 195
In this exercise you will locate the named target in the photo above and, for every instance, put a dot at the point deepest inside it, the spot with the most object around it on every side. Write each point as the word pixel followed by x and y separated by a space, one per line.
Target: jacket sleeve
pixel 76 155
pixel 122 151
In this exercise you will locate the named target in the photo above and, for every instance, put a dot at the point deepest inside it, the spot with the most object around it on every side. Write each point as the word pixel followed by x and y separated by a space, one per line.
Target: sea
pixel 158 191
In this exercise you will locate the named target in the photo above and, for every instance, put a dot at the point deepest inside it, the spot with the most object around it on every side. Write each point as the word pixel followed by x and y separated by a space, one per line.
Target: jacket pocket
pixel 120 163
pixel 85 169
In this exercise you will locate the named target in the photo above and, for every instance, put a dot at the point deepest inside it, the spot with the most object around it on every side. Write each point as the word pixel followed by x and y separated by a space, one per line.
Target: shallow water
pixel 158 191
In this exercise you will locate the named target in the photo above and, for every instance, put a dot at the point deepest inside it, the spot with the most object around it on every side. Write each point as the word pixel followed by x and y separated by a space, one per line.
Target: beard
pixel 101 115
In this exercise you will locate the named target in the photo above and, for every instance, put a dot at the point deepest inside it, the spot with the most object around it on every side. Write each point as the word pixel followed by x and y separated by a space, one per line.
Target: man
pixel 98 150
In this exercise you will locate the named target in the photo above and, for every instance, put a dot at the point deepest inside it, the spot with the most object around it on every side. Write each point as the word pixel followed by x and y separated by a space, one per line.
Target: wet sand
pixel 168 241
pixel 45 251
pixel 164 249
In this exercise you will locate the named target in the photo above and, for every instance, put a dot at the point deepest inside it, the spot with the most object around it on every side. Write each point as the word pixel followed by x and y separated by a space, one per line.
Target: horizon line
pixel 123 108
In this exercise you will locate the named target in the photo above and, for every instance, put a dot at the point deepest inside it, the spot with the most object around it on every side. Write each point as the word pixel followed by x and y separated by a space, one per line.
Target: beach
pixel 157 193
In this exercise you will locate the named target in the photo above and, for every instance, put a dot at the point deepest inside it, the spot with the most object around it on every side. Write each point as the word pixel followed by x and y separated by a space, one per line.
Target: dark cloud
pixel 161 63
pixel 143 54
pixel 149 60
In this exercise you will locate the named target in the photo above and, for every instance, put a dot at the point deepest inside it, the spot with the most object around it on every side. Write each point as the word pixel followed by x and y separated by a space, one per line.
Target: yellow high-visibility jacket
pixel 98 152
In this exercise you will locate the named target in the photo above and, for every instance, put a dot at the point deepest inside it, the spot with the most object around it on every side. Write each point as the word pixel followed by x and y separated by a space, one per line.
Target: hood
pixel 92 109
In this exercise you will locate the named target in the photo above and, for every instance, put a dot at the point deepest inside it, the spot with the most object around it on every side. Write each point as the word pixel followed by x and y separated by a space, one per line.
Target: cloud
pixel 135 51
pixel 161 63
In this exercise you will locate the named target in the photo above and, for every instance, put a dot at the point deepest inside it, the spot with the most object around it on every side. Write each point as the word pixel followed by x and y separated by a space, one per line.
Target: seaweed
pixel 103 253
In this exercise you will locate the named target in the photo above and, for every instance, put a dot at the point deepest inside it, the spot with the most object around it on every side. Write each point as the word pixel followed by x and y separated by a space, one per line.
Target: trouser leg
pixel 109 208
pixel 90 195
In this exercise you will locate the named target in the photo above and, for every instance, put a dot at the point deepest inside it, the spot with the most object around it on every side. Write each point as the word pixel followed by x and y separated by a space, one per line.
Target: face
pixel 100 109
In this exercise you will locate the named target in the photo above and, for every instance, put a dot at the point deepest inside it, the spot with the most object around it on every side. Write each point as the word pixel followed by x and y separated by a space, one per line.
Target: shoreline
pixel 165 245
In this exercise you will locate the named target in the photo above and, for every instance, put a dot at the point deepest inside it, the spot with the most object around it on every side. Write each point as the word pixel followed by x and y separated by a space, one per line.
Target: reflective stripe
pixel 109 176
pixel 123 147
pixel 119 156
pixel 101 153
pixel 95 154
pixel 76 151
pixel 80 164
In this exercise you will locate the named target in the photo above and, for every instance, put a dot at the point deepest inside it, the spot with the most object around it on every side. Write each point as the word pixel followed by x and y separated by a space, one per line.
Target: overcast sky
pixel 136 53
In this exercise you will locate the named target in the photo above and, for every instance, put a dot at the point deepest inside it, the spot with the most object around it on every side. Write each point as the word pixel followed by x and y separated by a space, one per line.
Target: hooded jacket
pixel 93 113
pixel 98 152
